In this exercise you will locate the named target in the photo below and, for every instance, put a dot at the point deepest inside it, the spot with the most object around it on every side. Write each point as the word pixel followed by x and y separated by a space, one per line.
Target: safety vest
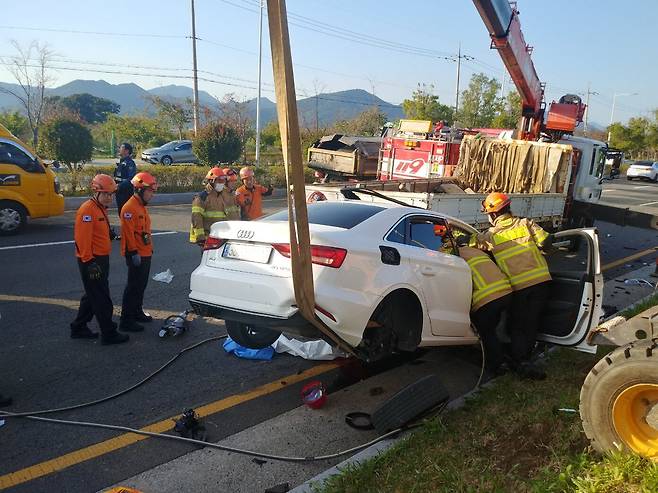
pixel 489 283
pixel 515 243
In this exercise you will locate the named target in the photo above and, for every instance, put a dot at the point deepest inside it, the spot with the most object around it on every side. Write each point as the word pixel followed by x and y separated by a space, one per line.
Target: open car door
pixel 576 292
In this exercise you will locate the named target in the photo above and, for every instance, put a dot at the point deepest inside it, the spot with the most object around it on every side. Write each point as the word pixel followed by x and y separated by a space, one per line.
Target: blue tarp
pixel 230 346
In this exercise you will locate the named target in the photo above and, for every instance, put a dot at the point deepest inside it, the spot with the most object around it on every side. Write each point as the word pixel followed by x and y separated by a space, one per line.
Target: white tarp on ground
pixel 313 350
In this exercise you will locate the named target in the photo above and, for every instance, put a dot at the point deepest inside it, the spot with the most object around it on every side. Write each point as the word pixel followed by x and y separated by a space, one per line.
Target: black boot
pixel 83 333
pixel 114 338
pixel 131 326
pixel 144 317
pixel 5 401
pixel 530 371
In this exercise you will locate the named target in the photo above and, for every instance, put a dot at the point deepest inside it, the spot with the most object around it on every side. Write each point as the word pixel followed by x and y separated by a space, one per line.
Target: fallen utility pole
pixel 286 104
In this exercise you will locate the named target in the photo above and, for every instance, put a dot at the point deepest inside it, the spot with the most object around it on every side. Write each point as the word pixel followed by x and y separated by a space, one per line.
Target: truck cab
pixel 589 166
pixel 28 187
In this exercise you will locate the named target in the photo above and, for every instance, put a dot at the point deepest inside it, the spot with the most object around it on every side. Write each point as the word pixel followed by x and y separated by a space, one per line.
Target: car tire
pixel 655 178
pixel 613 395
pixel 13 217
pixel 251 336
pixel 629 178
pixel 166 160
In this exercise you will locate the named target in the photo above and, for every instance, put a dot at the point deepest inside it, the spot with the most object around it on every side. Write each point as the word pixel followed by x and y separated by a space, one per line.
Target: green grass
pixel 640 307
pixel 509 438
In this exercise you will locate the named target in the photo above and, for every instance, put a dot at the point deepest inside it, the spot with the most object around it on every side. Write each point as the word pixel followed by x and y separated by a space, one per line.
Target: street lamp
pixel 260 62
pixel 614 100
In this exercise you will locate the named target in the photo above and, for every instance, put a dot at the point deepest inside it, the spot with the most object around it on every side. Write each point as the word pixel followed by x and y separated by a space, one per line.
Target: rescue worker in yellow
pixel 515 243
pixel 492 295
pixel 210 206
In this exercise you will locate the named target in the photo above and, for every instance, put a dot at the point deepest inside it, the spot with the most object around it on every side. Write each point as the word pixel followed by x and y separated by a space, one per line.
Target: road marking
pixel 648 203
pixel 53 243
pixel 609 190
pixel 642 186
pixel 635 256
pixel 99 449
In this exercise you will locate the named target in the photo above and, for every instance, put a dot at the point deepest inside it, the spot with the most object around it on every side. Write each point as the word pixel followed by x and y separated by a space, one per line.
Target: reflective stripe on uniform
pixel 494 287
pixel 214 214
pixel 196 234
pixel 510 235
pixel 197 209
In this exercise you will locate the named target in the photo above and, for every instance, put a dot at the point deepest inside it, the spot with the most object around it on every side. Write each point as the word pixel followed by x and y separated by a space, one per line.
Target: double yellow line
pixel 87 453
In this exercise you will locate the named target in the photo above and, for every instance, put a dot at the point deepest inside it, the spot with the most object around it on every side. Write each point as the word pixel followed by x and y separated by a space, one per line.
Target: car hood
pixel 151 150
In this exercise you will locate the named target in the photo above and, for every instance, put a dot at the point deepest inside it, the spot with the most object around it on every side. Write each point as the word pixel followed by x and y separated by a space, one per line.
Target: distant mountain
pixel 330 107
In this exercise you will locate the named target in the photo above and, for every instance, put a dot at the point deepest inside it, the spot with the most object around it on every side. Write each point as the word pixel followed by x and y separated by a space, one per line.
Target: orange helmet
pixel 246 172
pixel 103 183
pixel 495 202
pixel 215 173
pixel 143 180
pixel 440 230
pixel 230 174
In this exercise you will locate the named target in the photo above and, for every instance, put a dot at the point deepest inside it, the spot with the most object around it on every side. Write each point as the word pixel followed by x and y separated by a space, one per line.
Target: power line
pixel 98 33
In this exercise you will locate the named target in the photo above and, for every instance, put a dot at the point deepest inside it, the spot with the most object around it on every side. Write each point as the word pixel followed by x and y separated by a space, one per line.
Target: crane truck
pixel 420 166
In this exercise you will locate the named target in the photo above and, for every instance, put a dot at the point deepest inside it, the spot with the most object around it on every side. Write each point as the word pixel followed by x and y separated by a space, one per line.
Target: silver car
pixel 176 151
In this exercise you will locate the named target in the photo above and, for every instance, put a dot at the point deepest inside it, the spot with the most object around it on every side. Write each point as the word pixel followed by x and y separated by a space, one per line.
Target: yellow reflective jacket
pixel 209 207
pixel 489 282
pixel 515 244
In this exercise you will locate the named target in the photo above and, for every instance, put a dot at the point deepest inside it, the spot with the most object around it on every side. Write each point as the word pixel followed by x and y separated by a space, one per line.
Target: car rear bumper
pixel 640 173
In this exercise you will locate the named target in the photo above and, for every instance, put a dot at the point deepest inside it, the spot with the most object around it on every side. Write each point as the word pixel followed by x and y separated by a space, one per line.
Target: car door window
pixel 422 234
pixel 185 147
pixel 11 154
pixel 398 233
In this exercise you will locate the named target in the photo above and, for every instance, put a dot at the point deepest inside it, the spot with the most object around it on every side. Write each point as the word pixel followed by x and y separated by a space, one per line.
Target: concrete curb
pixel 72 203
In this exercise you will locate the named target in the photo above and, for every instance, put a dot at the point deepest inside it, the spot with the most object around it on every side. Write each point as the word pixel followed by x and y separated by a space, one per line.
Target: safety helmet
pixel 231 175
pixel 495 202
pixel 103 183
pixel 215 173
pixel 246 172
pixel 440 230
pixel 144 180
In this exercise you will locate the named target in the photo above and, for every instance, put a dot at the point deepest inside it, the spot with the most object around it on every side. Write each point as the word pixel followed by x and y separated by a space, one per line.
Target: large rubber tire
pixel 626 366
pixel 166 160
pixel 251 336
pixel 13 217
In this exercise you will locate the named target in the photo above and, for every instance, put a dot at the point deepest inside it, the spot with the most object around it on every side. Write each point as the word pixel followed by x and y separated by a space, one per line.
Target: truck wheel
pixel 619 400
pixel 251 336
pixel 13 217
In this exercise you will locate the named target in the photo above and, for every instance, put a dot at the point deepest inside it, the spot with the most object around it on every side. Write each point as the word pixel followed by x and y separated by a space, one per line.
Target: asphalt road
pixel 637 195
pixel 42 368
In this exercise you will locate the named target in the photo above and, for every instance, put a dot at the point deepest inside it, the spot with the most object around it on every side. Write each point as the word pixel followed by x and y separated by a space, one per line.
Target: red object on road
pixel 314 394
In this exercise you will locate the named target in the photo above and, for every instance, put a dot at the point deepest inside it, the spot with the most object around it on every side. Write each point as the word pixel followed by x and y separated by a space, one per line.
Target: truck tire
pixel 619 400
pixel 13 217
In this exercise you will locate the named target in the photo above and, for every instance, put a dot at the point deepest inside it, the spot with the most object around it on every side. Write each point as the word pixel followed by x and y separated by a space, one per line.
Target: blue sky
pixel 606 43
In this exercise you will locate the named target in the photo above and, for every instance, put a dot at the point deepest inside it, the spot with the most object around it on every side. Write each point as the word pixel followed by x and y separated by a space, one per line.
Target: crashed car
pixel 381 283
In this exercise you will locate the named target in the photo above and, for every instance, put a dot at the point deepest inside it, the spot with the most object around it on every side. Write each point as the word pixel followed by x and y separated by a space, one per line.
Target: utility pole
pixel 459 66
pixel 589 91
pixel 260 62
pixel 196 81
pixel 612 113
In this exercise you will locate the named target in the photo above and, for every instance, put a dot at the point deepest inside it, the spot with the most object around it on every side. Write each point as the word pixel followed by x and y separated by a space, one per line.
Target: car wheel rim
pixel 635 418
pixel 10 219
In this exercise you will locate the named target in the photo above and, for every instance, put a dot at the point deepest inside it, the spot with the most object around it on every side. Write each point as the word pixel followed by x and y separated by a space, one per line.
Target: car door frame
pixel 411 253
pixel 591 303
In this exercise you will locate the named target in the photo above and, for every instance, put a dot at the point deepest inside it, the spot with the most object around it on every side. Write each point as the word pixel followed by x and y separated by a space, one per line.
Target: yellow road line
pixel 630 258
pixel 87 453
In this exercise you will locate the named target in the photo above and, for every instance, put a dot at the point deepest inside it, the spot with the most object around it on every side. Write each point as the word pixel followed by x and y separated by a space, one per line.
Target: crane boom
pixel 501 18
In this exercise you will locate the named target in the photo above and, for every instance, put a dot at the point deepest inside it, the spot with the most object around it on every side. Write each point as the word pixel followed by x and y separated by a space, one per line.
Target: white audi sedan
pixel 381 283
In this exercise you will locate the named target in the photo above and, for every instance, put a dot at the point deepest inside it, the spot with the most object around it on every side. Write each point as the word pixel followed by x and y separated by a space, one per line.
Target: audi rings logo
pixel 245 234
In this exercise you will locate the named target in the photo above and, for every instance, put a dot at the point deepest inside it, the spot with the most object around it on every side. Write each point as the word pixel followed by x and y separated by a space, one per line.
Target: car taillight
pixel 213 243
pixel 320 255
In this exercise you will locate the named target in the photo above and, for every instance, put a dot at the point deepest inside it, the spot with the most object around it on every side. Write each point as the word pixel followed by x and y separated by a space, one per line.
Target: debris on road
pixel 313 350
pixel 166 276
pixel 314 394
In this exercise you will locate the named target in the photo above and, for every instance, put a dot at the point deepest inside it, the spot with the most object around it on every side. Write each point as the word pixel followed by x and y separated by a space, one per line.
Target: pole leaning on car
pixel 286 104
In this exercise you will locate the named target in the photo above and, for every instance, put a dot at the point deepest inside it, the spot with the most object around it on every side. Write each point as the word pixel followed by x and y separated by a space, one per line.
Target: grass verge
pixel 633 310
pixel 511 437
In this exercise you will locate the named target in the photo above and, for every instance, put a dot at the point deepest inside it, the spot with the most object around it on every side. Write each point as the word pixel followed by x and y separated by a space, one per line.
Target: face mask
pixel 219 187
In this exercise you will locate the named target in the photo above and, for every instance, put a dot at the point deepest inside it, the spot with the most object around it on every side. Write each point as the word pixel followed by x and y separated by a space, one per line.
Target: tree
pixel 15 122
pixel 140 131
pixel 69 142
pixel 424 105
pixel 367 123
pixel 510 112
pixel 177 115
pixel 30 69
pixel 217 143
pixel 234 113
pixel 270 136
pixel 91 109
pixel 480 102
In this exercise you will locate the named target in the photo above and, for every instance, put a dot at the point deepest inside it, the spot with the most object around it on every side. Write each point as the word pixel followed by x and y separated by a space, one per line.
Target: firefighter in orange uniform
pixel 249 195
pixel 137 248
pixel 93 237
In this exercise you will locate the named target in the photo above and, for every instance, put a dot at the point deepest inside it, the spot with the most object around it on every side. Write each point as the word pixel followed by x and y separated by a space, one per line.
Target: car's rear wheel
pixel 629 178
pixel 166 160
pixel 251 336
pixel 13 217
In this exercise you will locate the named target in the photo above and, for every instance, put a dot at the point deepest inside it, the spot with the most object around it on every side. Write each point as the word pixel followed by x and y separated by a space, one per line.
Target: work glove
pixel 462 240
pixel 135 259
pixel 94 271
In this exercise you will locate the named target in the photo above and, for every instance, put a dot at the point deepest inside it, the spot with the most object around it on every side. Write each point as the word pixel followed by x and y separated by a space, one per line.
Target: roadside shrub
pixel 217 143
pixel 69 142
